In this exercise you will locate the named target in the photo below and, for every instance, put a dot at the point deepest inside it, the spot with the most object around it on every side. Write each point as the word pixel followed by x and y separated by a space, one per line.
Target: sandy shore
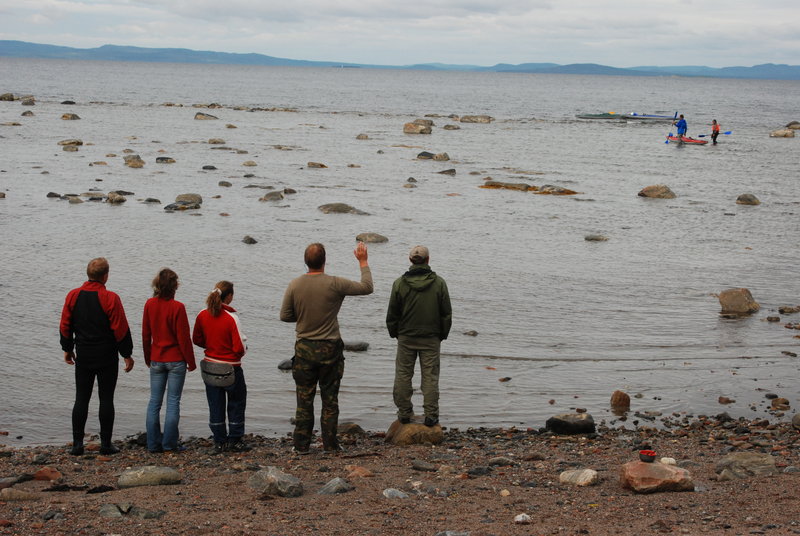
pixel 476 482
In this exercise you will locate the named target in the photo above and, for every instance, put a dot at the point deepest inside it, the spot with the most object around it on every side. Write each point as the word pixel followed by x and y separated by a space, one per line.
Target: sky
pixel 619 33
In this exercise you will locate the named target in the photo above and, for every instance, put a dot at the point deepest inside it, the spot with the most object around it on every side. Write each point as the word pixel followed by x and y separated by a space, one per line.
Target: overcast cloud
pixel 621 33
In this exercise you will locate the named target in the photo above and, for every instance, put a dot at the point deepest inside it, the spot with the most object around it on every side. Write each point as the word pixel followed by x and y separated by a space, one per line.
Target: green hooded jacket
pixel 419 305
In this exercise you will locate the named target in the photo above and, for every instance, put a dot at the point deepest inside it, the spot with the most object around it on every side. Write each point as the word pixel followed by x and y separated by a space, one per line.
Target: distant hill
pixel 22 49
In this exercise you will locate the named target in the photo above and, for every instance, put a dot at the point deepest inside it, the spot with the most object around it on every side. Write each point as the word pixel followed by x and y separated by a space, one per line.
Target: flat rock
pixel 336 486
pixel 371 238
pixel 655 477
pixel 782 133
pixel 476 119
pixel 340 208
pixel 273 481
pixel 11 494
pixel 149 475
pixel 745 465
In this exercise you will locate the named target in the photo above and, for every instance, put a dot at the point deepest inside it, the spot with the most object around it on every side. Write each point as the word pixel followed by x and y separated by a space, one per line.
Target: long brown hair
pixel 222 290
pixel 165 283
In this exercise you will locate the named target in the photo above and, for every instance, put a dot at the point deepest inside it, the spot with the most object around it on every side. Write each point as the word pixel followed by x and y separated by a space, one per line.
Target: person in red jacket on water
pixel 94 333
pixel 168 352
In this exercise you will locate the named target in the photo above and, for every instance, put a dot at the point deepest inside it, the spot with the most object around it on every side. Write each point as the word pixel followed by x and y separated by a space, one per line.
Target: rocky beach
pixel 582 258
pixel 711 475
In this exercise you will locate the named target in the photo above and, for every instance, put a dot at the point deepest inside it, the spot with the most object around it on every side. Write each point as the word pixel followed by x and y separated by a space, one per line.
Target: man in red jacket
pixel 94 326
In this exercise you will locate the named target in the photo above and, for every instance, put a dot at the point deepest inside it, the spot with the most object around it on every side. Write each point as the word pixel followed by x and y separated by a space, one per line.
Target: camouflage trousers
pixel 317 362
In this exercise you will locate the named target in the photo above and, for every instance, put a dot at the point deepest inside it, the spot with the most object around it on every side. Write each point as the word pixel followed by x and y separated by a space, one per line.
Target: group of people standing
pixel 94 332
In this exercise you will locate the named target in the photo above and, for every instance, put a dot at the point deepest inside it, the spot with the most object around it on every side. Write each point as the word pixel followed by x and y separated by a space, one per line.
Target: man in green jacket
pixel 419 316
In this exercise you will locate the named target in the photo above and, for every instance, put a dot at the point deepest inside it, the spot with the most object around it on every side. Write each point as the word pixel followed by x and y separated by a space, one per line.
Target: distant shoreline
pixel 22 49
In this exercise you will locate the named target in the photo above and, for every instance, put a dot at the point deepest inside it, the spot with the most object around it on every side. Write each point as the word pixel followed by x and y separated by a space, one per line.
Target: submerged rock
pixel 371 238
pixel 200 116
pixel 340 208
pixel 657 191
pixel 476 119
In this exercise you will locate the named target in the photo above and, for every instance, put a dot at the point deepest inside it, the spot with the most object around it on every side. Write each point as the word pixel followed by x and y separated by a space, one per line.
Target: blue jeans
pixel 229 400
pixel 167 376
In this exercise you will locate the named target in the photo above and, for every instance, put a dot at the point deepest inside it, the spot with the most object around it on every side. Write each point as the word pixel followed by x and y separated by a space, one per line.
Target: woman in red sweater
pixel 168 352
pixel 218 331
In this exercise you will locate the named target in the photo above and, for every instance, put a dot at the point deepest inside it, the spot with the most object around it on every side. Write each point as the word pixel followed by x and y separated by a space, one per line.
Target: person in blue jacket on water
pixel 681 124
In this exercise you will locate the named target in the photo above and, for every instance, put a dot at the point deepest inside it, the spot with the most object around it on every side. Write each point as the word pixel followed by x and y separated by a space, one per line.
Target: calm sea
pixel 569 321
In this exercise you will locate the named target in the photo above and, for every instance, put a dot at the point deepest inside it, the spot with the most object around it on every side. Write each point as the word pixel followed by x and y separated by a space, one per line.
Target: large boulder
pixel 476 119
pixel 744 465
pixel 737 302
pixel 340 208
pixel 273 481
pixel 747 199
pixel 571 423
pixel 414 434
pixel 782 133
pixel 644 477
pixel 413 128
pixel 149 475
pixel 657 191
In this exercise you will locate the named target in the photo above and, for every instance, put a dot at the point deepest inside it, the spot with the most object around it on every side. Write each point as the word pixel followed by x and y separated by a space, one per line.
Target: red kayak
pixel 685 139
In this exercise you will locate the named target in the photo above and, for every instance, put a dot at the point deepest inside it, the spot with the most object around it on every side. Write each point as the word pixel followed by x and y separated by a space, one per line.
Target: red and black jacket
pixel 93 323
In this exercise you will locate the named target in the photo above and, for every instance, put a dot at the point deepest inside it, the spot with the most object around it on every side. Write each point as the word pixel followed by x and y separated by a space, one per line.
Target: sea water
pixel 567 320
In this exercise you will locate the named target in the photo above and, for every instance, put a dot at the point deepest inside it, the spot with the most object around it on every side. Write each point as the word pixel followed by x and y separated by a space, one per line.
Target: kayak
pixel 684 139
pixel 614 116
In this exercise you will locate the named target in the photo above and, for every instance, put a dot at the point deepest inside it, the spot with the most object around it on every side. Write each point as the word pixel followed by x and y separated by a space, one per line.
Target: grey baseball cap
pixel 418 252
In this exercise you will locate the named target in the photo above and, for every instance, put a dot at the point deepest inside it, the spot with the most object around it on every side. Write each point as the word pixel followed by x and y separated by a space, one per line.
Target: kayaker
pixel 681 124
pixel 714 131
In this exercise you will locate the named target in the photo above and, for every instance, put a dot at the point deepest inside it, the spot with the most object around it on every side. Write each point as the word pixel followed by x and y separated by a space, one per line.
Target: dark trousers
pixel 85 374
pixel 231 400
pixel 317 362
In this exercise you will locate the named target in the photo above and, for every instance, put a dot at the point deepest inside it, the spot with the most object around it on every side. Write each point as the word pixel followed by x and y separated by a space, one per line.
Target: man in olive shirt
pixel 313 301
pixel 419 316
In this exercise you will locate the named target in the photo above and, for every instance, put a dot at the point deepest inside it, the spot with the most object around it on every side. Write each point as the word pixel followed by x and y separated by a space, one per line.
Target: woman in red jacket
pixel 218 331
pixel 168 352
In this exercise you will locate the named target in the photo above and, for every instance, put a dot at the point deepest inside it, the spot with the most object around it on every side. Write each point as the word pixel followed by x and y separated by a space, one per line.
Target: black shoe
pixel 218 448
pixel 431 421
pixel 404 420
pixel 108 449
pixel 238 445
pixel 300 451
pixel 77 449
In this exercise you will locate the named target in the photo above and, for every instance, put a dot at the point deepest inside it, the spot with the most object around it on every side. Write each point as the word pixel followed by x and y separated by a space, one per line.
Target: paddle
pixel 704 135
pixel 673 122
